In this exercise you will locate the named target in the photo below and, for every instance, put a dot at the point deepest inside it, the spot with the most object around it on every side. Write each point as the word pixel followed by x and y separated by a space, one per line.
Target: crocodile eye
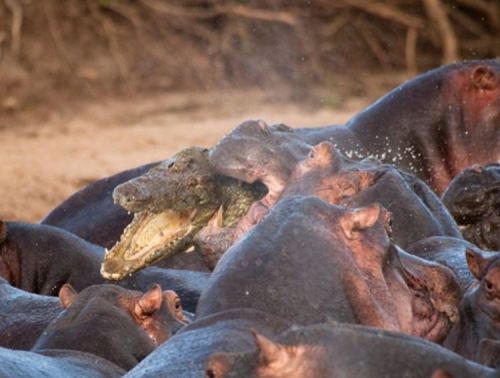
pixel 171 165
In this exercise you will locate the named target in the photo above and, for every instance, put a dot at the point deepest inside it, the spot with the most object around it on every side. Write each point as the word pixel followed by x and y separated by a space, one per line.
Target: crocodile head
pixel 171 203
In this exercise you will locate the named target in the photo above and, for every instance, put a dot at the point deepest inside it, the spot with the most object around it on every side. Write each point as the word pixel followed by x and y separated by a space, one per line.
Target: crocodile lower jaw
pixel 147 239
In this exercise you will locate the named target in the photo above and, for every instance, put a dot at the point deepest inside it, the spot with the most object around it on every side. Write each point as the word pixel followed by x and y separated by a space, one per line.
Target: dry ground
pixel 43 162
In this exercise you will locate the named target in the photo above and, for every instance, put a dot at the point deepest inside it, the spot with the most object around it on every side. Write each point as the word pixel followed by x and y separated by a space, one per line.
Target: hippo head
pixel 472 96
pixel 159 314
pixel 328 175
pixel 423 295
pixel 120 325
pixel 431 291
pixel 253 151
pixel 486 294
pixel 473 198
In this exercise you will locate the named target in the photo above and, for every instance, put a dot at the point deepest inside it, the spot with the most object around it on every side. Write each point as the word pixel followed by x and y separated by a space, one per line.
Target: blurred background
pixel 92 87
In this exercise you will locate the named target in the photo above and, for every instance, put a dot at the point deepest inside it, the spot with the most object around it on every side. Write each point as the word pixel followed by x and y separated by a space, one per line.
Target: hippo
pixel 307 261
pixel 185 355
pixel 342 351
pixel 102 332
pixel 254 151
pixel 450 252
pixel 479 309
pixel 151 318
pixel 473 198
pixel 434 125
pixel 417 213
pixel 24 316
pixel 171 203
pixel 40 259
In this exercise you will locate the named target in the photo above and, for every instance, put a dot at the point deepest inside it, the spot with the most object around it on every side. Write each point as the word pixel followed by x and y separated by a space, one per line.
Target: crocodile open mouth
pixel 151 237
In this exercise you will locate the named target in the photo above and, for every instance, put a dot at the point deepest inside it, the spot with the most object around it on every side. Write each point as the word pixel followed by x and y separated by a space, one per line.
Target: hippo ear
pixel 217 366
pixel 489 352
pixel 477 262
pixel 356 220
pixel 174 305
pixel 323 153
pixel 67 295
pixel 3 231
pixel 268 350
pixel 263 125
pixel 484 77
pixel 149 302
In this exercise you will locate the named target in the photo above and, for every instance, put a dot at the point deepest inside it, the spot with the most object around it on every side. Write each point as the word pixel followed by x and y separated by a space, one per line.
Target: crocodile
pixel 171 203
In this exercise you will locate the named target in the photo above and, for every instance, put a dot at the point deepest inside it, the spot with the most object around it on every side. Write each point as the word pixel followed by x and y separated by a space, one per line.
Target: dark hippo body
pixel 308 261
pixel 185 355
pixel 343 351
pixel 416 212
pixel 473 198
pixel 24 316
pixel 40 259
pixel 434 125
pixel 91 214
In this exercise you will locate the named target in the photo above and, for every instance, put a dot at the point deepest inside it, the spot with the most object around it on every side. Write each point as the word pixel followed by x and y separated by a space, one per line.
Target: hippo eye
pixel 488 285
pixel 177 304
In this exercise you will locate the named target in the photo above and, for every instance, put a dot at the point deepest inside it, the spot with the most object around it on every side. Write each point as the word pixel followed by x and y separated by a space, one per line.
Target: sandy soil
pixel 43 163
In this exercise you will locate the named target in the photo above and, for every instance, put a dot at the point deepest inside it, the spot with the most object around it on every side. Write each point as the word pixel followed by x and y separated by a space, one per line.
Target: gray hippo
pixel 343 351
pixel 316 261
pixel 473 198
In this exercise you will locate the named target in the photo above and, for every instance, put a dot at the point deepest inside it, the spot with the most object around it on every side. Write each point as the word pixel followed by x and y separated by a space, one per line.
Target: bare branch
pixel 17 23
pixel 437 13
pixel 386 11
pixel 411 51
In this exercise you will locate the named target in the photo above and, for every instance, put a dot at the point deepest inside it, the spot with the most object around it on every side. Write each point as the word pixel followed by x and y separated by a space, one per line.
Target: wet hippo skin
pixel 308 261
pixel 40 259
pixel 342 351
pixel 434 125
